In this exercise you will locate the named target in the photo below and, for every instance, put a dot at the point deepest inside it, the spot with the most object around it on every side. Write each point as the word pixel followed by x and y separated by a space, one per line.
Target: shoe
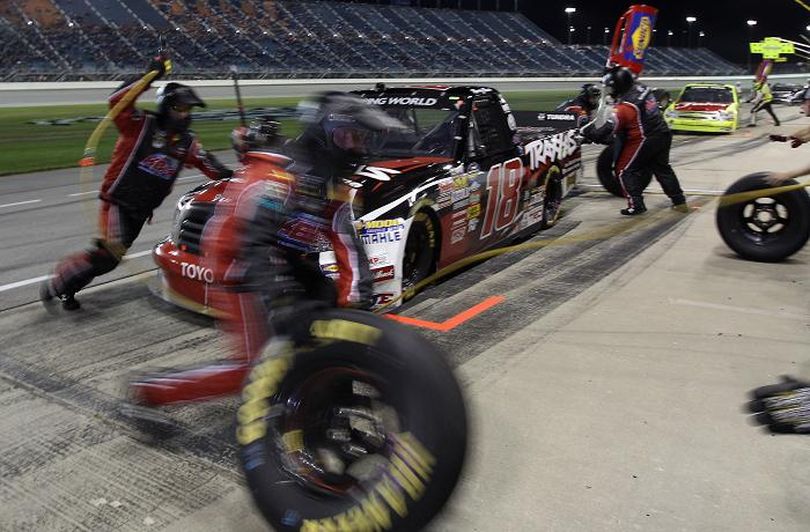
pixel 633 211
pixel 46 296
pixel 681 207
pixel 69 302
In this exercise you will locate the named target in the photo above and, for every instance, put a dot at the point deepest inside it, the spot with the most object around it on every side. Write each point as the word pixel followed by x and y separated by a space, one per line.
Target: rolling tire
pixel 421 250
pixel 765 229
pixel 297 436
pixel 607 176
pixel 605 173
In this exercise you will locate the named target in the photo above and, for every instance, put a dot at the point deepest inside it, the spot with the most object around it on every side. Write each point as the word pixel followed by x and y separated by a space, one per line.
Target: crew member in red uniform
pixel 644 141
pixel 277 210
pixel 150 152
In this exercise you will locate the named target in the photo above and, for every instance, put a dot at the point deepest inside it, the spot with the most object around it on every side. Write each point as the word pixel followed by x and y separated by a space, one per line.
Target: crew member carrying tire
pixel 644 141
pixel 347 420
pixel 150 152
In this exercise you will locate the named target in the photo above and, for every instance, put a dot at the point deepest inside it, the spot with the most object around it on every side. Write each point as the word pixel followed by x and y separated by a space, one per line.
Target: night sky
pixel 723 21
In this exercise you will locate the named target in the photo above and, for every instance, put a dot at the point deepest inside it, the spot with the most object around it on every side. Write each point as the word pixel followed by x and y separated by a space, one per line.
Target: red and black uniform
pixel 644 141
pixel 260 244
pixel 146 161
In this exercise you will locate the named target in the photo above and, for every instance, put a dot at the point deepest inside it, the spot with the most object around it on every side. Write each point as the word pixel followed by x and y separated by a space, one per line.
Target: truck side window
pixel 493 131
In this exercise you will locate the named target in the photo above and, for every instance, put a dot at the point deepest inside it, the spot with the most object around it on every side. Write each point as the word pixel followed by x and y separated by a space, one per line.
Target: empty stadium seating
pixel 107 39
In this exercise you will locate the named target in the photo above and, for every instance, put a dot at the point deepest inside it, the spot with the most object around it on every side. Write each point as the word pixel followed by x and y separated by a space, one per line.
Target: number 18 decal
pixel 503 187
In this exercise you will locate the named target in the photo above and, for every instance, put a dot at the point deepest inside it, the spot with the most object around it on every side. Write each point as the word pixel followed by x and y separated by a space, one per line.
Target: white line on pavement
pixel 20 203
pixel 18 284
pixel 83 193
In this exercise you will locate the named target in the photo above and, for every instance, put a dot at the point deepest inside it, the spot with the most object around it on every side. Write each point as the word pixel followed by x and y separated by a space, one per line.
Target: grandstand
pixel 109 39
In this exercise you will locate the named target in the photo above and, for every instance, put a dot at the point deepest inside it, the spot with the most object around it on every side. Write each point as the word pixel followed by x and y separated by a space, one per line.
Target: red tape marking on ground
pixel 450 323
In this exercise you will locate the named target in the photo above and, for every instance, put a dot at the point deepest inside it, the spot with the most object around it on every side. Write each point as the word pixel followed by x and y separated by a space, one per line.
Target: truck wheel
pixel 768 228
pixel 553 199
pixel 605 173
pixel 362 427
pixel 419 260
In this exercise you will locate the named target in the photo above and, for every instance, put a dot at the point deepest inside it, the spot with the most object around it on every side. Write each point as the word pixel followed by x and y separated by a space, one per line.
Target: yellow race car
pixel 705 107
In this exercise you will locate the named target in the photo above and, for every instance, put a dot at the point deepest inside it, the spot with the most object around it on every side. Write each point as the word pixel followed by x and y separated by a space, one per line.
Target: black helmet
pixel 171 96
pixel 261 133
pixel 343 126
pixel 591 92
pixel 618 81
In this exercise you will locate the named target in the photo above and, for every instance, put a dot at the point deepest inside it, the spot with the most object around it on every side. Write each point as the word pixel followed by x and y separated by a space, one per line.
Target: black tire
pixel 764 229
pixel 421 250
pixel 607 176
pixel 296 428
pixel 553 198
pixel 605 173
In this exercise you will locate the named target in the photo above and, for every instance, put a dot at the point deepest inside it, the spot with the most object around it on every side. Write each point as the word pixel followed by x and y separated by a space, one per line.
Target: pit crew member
pixel 643 139
pixel 150 152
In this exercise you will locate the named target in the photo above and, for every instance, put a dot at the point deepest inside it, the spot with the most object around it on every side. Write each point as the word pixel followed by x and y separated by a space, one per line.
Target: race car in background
pixel 468 175
pixel 791 94
pixel 705 107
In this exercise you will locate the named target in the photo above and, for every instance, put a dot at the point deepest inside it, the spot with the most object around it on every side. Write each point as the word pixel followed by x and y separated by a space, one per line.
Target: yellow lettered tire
pixel 360 427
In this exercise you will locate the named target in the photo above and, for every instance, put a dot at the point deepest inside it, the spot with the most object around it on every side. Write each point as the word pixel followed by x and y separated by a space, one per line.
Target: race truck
pixel 705 107
pixel 468 174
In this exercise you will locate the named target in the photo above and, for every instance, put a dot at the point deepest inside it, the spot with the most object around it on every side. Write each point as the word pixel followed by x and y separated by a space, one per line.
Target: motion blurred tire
pixel 362 427
pixel 764 229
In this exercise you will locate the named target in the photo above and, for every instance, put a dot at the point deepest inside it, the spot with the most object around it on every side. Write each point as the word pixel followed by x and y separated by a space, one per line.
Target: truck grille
pixel 190 225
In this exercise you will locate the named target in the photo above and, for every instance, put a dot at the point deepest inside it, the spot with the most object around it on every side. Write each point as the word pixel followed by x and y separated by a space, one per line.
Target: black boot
pixel 636 206
pixel 69 302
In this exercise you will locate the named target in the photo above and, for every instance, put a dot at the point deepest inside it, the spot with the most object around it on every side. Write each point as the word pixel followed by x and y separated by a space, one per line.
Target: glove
pixel 783 407
pixel 795 142
pixel 162 63
pixel 778 138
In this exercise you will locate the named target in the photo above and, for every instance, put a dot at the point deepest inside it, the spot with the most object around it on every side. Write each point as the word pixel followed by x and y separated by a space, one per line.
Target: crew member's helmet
pixel 174 103
pixel 261 133
pixel 618 81
pixel 591 92
pixel 344 126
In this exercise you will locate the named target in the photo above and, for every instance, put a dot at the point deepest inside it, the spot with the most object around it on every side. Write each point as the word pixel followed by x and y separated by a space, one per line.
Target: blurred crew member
pixel 643 141
pixel 584 103
pixel 762 98
pixel 259 244
pixel 150 153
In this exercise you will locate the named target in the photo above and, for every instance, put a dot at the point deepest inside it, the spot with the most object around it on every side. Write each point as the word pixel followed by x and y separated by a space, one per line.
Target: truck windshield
pixel 706 95
pixel 429 132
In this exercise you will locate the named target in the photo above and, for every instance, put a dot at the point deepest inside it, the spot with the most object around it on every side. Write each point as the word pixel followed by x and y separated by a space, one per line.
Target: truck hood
pixel 698 106
pixel 383 181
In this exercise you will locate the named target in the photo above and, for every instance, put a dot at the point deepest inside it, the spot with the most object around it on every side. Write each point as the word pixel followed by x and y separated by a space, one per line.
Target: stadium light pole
pixel 690 20
pixel 751 23
pixel 570 12
pixel 701 34
pixel 669 38
pixel 605 36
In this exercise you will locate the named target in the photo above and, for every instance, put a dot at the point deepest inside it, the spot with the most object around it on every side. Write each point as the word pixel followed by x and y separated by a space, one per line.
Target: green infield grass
pixel 26 147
